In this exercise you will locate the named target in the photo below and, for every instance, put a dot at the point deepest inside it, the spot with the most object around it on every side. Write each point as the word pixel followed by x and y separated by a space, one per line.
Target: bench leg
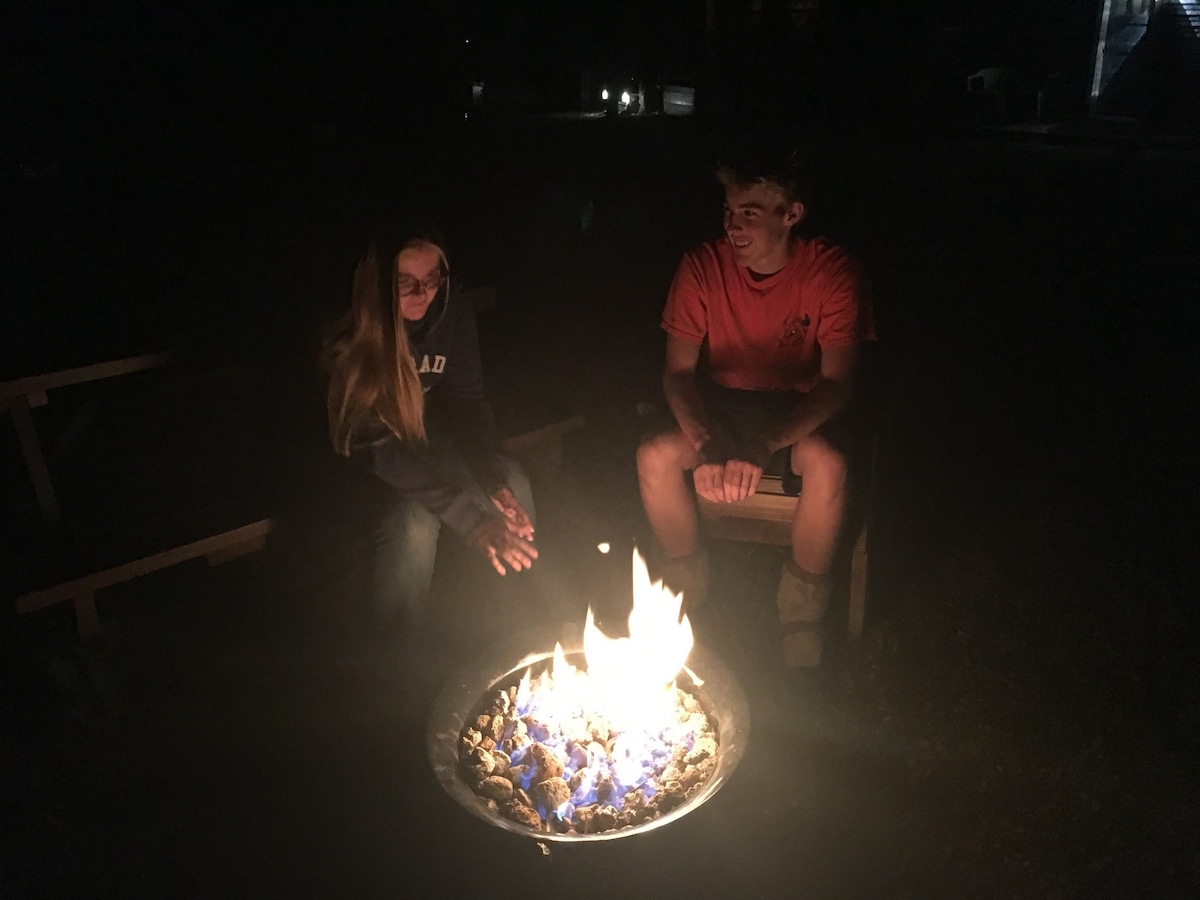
pixel 858 585
pixel 35 460
pixel 86 618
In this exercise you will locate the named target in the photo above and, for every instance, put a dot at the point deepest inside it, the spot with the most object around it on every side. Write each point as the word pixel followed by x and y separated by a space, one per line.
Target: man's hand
pixel 724 476
pixel 709 473
pixel 741 479
pixel 745 468
pixel 517 519
pixel 497 540
pixel 709 479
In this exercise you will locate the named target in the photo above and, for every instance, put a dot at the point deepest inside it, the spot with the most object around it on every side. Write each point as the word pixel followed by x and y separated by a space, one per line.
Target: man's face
pixel 758 223
pixel 419 275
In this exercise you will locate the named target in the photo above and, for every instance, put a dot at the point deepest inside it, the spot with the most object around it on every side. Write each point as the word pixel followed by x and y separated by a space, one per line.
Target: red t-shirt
pixel 767 335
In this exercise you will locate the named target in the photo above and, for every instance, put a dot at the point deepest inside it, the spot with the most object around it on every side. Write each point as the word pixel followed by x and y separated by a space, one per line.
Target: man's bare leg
pixel 821 506
pixel 662 461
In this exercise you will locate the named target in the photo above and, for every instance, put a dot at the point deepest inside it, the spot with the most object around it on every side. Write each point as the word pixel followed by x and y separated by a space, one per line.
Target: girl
pixel 405 388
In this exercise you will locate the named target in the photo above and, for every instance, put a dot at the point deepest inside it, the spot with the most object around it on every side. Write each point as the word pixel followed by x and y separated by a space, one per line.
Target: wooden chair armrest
pixel 37 385
pixel 543 445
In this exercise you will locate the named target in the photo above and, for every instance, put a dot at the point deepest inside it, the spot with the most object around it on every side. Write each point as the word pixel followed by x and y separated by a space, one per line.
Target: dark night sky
pixel 81 71
pixel 164 117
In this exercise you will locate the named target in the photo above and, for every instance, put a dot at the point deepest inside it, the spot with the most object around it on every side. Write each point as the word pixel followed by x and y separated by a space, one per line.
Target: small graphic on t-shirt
pixel 793 330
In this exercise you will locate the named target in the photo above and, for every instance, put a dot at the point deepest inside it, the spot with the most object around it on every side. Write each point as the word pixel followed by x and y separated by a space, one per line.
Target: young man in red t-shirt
pixel 763 336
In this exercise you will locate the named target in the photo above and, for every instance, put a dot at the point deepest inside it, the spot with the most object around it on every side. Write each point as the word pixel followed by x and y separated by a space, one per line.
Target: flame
pixel 633 676
pixel 628 690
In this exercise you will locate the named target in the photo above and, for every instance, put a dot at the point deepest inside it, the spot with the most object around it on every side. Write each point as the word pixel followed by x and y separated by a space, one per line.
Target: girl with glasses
pixel 406 392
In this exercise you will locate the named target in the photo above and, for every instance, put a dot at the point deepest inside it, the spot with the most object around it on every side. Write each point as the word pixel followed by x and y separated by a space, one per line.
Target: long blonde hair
pixel 369 363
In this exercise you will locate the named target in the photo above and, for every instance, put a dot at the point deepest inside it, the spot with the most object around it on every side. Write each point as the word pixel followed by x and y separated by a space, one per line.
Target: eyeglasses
pixel 409 287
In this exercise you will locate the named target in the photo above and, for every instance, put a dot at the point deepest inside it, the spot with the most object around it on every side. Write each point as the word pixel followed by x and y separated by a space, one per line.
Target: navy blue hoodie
pixel 445 345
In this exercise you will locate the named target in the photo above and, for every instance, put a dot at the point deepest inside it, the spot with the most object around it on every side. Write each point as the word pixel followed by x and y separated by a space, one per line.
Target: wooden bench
pixel 23 394
pixel 81 592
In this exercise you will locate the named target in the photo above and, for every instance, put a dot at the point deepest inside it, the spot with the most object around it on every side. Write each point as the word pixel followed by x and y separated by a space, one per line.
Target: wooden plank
pixel 858 584
pixel 41 383
pixel 753 531
pixel 203 377
pixel 546 455
pixel 35 460
pixel 773 507
pixel 236 551
pixel 543 436
pixel 91 583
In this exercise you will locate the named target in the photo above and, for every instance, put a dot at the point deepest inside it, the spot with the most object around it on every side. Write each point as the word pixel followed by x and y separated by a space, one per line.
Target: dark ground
pixel 1020 719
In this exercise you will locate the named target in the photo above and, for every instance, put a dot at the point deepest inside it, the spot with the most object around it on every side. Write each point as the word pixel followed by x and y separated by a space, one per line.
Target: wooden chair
pixel 766 516
pixel 19 397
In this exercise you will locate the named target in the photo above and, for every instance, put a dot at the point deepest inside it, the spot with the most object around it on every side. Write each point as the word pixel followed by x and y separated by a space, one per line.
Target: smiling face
pixel 758 224
pixel 420 273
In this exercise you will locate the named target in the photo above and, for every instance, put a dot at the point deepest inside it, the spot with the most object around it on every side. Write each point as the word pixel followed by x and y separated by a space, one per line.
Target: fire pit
pixel 596 739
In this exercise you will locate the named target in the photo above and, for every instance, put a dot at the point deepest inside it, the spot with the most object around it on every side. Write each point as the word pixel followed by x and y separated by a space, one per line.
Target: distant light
pixel 467 41
pixel 465 115
pixel 603 547
pixel 604 94
pixel 625 97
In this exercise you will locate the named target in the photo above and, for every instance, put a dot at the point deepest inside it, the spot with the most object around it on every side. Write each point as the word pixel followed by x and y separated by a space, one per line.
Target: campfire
pixel 612 736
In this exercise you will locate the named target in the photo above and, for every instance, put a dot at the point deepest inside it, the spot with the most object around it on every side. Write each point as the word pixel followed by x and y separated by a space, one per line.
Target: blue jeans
pixel 406 546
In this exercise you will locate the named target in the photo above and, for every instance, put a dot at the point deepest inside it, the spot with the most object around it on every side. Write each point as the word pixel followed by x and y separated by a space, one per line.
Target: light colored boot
pixel 803 600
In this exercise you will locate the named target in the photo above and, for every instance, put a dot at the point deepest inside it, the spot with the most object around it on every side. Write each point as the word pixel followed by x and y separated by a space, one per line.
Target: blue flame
pixel 631 767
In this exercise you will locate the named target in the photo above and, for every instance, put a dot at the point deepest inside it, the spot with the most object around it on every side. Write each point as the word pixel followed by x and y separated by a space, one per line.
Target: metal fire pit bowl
pixel 720 696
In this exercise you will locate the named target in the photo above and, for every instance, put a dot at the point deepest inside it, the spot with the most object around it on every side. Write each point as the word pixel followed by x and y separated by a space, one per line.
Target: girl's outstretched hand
pixel 514 514
pixel 501 544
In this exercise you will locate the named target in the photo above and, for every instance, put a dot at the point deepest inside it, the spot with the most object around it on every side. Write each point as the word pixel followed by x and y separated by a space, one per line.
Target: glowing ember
pixel 589 750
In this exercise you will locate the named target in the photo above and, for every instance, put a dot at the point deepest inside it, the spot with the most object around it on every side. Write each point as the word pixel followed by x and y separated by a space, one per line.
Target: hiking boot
pixel 802 600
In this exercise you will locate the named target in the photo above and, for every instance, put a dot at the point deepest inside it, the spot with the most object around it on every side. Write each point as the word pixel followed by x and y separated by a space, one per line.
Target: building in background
pixel 1146 64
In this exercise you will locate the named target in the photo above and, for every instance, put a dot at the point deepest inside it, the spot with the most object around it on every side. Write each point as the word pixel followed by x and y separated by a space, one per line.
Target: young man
pixel 763 336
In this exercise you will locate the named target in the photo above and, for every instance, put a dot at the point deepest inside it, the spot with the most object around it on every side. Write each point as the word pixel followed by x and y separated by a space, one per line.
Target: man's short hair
pixel 778 168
